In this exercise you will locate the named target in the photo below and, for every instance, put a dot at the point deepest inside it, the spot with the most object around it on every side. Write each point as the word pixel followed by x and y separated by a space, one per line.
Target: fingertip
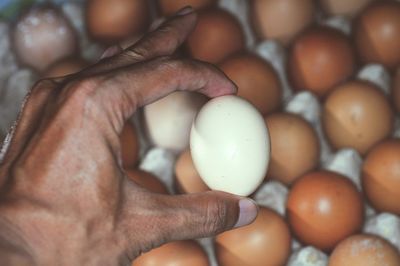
pixel 248 210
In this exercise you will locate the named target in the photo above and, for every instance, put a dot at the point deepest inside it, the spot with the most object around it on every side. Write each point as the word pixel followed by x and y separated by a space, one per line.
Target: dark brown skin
pixel 65 199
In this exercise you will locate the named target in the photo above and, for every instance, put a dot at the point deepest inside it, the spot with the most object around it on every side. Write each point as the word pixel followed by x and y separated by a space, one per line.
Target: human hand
pixel 65 199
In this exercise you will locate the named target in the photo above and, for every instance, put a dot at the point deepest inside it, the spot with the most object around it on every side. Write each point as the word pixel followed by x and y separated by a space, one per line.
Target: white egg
pixel 230 145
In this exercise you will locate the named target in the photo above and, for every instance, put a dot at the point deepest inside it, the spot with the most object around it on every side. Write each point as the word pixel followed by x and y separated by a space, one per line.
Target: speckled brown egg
pixel 381 176
pixel 65 67
pixel 324 208
pixel 281 20
pixel 357 115
pixel 113 21
pixel 294 147
pixel 43 36
pixel 265 242
pixel 217 35
pixel 129 145
pixel 257 81
pixel 377 33
pixel 146 180
pixel 364 250
pixel 168 7
pixel 396 90
pixel 347 8
pixel 320 59
pixel 177 253
pixel 187 179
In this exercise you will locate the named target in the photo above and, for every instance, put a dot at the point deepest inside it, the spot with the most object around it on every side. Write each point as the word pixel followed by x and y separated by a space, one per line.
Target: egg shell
pixel 323 208
pixel 364 250
pixel 129 145
pixel 376 33
pixel 177 253
pixel 396 90
pixel 42 36
pixel 264 242
pixel 357 115
pixel 294 147
pixel 216 36
pixel 230 145
pixel 257 81
pixel 381 176
pixel 281 20
pixel 168 7
pixel 65 66
pixel 347 8
pixel 168 120
pixel 187 179
pixel 319 59
pixel 112 21
pixel 146 180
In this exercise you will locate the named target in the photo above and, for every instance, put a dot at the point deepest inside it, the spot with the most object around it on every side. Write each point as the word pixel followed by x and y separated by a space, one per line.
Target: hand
pixel 65 199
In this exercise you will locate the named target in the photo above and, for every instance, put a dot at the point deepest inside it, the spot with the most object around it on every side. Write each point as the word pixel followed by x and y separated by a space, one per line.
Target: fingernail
pixel 247 212
pixel 111 51
pixel 185 11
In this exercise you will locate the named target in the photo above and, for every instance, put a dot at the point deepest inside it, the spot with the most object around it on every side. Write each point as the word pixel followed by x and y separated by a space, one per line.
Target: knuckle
pixel 216 217
pixel 136 53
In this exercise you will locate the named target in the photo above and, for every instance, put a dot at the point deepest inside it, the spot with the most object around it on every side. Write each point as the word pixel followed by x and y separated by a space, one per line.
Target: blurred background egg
pixel 216 36
pixel 257 81
pixel 187 179
pixel 347 8
pixel 364 250
pixel 177 253
pixel 168 7
pixel 377 33
pixel 65 67
pixel 381 176
pixel 168 120
pixel 42 35
pixel 324 208
pixel 129 145
pixel 319 59
pixel 112 21
pixel 146 180
pixel 357 115
pixel 294 147
pixel 281 20
pixel 264 242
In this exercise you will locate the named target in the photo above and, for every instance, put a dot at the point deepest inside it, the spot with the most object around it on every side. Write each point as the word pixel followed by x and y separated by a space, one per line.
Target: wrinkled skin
pixel 65 199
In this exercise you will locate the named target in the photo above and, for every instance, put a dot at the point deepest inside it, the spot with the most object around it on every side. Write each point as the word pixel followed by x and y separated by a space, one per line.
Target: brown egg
pixel 323 208
pixel 364 250
pixel 396 90
pixel 169 7
pixel 129 145
pixel 320 59
pixel 257 81
pixel 113 21
pixel 187 179
pixel 65 67
pixel 377 33
pixel 357 115
pixel 217 35
pixel 43 36
pixel 264 242
pixel 347 8
pixel 177 253
pixel 146 180
pixel 294 147
pixel 381 176
pixel 281 20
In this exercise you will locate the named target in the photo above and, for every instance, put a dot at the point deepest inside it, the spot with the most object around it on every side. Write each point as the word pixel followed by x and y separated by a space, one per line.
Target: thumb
pixel 205 214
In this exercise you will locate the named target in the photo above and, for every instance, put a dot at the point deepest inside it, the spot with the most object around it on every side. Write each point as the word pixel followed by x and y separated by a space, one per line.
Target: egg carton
pixel 14 82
